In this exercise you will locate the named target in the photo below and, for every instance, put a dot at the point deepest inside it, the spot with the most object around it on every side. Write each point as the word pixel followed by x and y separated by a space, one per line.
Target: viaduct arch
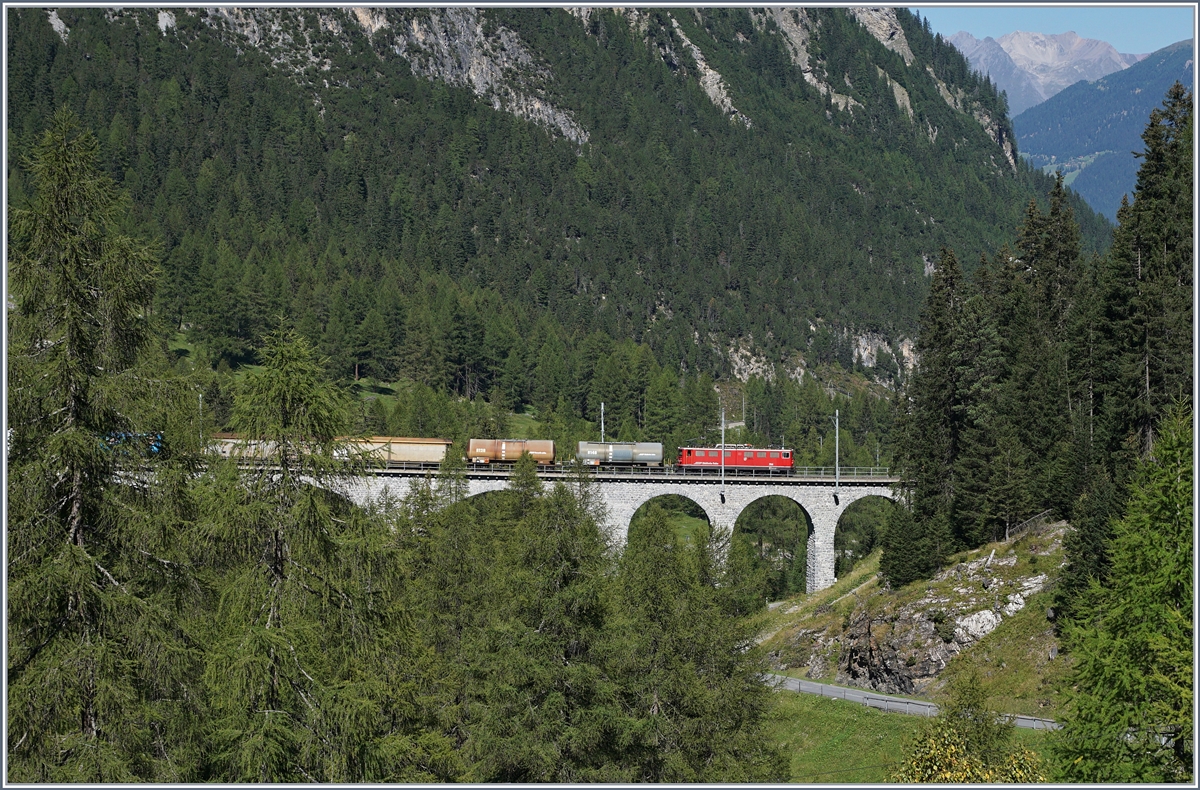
pixel 821 499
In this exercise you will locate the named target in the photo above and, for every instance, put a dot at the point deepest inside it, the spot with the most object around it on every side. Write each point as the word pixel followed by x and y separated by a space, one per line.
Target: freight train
pixel 397 451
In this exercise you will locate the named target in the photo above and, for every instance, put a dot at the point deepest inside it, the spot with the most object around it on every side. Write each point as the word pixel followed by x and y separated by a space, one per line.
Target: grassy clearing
pixel 1015 665
pixel 1014 661
pixel 180 348
pixel 830 741
pixel 523 426
pixel 686 527
pixel 818 610
pixel 369 389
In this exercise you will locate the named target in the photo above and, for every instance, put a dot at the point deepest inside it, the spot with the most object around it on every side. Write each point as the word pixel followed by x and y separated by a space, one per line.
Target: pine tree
pixel 1130 711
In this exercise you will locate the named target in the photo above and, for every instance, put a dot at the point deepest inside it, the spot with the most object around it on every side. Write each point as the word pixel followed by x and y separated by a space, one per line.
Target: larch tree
pixel 100 671
pixel 309 673
pixel 688 674
pixel 1129 716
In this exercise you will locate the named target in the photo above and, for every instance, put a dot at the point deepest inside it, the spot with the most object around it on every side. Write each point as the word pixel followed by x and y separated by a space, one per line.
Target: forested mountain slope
pixel 1092 130
pixel 437 193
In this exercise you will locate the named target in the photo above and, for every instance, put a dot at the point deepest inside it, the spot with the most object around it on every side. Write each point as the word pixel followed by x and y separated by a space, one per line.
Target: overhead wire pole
pixel 722 455
pixel 837 461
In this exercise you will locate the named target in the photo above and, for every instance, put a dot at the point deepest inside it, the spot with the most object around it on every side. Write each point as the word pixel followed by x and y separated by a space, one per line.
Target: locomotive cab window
pixel 787 455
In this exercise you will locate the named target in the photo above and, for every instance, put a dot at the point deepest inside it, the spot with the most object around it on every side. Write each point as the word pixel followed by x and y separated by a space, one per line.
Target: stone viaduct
pixel 625 491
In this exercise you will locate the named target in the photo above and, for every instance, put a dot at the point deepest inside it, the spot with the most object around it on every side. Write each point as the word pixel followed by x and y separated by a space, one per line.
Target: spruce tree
pixel 902 560
pixel 932 420
pixel 1131 326
pixel 1149 276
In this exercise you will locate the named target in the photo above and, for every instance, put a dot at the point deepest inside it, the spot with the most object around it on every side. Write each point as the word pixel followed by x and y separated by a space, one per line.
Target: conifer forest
pixel 300 227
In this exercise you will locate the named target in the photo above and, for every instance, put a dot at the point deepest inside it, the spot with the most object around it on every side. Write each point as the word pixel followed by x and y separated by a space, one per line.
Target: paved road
pixel 888 703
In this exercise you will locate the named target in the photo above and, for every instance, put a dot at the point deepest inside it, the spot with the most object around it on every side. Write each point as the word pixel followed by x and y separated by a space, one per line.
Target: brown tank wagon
pixel 486 451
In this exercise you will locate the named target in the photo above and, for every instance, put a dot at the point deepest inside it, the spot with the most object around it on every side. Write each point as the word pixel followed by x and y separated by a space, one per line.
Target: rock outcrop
pixel 903 649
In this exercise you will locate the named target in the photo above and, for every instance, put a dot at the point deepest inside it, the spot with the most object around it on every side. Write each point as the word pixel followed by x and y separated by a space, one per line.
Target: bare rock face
pixel 883 25
pixel 977 625
pixel 711 81
pixel 447 44
pixel 797 28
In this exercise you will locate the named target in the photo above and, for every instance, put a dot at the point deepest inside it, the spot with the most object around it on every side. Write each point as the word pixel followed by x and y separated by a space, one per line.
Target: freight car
pixel 231 445
pixel 387 450
pixel 394 450
pixel 736 457
pixel 486 451
pixel 144 444
pixel 597 453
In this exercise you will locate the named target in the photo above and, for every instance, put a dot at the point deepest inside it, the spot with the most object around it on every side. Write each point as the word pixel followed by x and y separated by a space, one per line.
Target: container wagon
pixel 232 445
pixel 486 451
pixel 597 453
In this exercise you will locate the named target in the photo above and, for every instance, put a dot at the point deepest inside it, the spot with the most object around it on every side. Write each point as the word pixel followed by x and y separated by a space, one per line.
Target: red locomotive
pixel 737 456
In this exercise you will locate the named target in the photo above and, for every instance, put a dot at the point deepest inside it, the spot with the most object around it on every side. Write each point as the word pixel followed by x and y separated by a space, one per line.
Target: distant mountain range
pixel 1032 67
pixel 1090 129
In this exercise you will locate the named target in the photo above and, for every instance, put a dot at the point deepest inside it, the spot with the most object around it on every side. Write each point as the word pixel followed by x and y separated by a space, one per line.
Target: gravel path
pixel 888 703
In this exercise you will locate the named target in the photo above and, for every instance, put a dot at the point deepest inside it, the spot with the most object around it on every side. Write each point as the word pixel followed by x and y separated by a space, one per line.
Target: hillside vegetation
pixel 322 166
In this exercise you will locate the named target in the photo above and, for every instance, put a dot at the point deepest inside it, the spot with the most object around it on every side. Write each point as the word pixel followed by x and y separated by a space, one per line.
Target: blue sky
pixel 1135 30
